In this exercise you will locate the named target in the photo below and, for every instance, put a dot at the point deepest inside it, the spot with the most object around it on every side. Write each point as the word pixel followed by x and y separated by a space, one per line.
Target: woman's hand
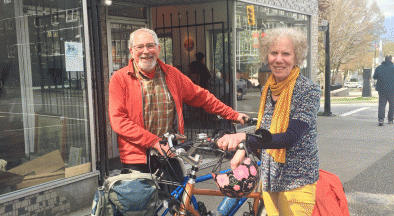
pixel 229 142
pixel 238 158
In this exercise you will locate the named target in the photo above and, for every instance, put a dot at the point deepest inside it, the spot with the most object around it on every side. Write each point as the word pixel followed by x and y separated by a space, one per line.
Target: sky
pixel 387 8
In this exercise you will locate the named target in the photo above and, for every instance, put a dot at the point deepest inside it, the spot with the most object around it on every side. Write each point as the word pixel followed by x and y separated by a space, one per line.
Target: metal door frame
pixel 121 20
pixel 226 70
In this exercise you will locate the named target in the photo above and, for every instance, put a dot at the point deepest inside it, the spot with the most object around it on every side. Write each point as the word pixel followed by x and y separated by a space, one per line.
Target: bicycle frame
pixel 188 191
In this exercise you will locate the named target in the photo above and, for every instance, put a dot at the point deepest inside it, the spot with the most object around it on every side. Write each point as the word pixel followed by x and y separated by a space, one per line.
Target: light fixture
pixel 107 2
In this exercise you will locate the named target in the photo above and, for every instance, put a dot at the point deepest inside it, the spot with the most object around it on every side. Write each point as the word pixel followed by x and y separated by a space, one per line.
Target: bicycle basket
pixel 239 182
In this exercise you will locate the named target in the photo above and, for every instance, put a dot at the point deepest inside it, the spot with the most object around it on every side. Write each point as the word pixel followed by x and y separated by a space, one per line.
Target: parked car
pixel 353 84
pixel 241 88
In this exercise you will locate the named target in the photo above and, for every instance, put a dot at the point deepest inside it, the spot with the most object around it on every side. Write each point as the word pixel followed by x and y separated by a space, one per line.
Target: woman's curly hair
pixel 296 36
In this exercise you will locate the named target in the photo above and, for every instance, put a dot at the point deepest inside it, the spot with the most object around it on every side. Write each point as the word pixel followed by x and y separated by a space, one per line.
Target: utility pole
pixel 325 26
pixel 367 83
pixel 327 88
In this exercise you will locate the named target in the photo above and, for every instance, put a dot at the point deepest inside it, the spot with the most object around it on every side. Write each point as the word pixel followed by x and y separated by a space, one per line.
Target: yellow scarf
pixel 280 118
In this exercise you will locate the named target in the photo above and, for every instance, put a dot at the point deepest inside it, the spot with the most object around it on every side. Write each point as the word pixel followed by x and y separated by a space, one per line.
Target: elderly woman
pixel 288 109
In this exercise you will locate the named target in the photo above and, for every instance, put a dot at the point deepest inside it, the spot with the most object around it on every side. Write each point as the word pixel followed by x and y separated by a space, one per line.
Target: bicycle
pixel 182 200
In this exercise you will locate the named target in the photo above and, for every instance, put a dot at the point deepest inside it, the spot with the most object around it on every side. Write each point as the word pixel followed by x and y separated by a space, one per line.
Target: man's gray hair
pixel 296 36
pixel 388 58
pixel 134 33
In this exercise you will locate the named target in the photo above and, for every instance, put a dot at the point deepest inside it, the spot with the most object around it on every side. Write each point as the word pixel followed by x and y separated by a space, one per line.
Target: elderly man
pixel 384 74
pixel 146 98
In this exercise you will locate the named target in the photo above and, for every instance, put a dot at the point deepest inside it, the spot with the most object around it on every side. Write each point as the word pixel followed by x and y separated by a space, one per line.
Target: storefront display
pixel 56 62
pixel 44 125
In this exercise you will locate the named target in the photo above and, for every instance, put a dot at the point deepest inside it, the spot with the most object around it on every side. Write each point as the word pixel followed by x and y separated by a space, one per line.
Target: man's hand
pixel 229 142
pixel 240 118
pixel 237 159
pixel 163 149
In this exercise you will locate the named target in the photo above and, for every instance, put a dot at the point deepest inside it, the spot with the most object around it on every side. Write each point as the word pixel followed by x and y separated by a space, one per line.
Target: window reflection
pixel 248 62
pixel 43 110
pixel 247 53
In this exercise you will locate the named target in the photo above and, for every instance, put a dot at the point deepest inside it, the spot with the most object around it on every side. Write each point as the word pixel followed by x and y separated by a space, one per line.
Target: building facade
pixel 47 148
pixel 57 60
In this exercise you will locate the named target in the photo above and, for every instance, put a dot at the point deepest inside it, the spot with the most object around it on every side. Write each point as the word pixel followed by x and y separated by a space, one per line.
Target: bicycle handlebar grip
pixel 180 137
pixel 173 137
pixel 250 121
pixel 169 140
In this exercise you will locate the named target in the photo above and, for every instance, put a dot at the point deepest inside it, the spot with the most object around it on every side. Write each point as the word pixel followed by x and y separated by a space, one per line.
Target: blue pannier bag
pixel 131 194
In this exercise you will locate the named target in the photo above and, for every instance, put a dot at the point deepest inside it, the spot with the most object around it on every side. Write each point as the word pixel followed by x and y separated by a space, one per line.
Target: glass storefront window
pixel 252 21
pixel 247 56
pixel 44 125
pixel 165 41
pixel 130 12
pixel 120 35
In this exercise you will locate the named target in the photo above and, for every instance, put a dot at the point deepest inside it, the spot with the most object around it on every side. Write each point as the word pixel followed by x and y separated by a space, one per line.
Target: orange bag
pixel 330 196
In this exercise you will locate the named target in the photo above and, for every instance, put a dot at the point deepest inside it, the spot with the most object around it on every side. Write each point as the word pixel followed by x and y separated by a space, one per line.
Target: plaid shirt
pixel 158 104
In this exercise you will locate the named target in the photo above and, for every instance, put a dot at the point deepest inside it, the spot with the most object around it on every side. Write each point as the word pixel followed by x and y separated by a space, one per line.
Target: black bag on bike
pixel 171 172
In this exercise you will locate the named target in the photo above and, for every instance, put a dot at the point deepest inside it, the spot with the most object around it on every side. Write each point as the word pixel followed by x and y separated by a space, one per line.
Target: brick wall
pixel 43 203
pixel 58 201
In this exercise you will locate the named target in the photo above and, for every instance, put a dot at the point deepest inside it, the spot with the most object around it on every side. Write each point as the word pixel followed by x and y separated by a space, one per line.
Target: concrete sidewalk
pixel 356 93
pixel 361 154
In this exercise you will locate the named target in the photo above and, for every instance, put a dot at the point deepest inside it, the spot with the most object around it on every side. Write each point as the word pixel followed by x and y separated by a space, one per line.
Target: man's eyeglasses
pixel 149 46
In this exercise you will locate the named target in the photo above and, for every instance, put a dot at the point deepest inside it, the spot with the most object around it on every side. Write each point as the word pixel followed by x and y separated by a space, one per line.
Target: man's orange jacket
pixel 125 108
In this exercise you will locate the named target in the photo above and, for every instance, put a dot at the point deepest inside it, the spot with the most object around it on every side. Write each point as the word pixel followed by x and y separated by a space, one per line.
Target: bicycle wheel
pixel 202 210
pixel 261 210
pixel 205 212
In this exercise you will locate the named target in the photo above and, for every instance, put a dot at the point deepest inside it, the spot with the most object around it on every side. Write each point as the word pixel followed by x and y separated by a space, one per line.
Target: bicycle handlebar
pixel 173 137
pixel 202 142
pixel 250 121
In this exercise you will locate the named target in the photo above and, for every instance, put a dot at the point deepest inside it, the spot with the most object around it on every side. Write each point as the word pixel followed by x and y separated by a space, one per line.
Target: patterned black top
pixel 302 161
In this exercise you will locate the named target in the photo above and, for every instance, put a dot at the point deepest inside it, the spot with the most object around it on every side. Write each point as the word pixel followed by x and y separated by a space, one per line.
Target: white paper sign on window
pixel 74 56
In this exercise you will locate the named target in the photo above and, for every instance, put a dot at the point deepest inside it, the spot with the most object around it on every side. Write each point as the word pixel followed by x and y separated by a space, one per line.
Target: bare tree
pixel 355 25
pixel 388 48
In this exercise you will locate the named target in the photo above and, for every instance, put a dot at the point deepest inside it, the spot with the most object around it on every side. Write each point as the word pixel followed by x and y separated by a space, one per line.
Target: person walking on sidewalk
pixel 288 109
pixel 384 76
pixel 146 98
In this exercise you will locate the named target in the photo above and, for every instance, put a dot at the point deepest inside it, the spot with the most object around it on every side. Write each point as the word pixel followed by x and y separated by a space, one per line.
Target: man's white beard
pixel 147 66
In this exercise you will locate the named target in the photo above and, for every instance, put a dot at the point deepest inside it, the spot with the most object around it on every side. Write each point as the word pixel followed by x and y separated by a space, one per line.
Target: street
pixel 366 111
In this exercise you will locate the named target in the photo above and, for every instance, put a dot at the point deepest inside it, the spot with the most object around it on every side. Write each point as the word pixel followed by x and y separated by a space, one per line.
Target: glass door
pixel 118 46
pixel 119 31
